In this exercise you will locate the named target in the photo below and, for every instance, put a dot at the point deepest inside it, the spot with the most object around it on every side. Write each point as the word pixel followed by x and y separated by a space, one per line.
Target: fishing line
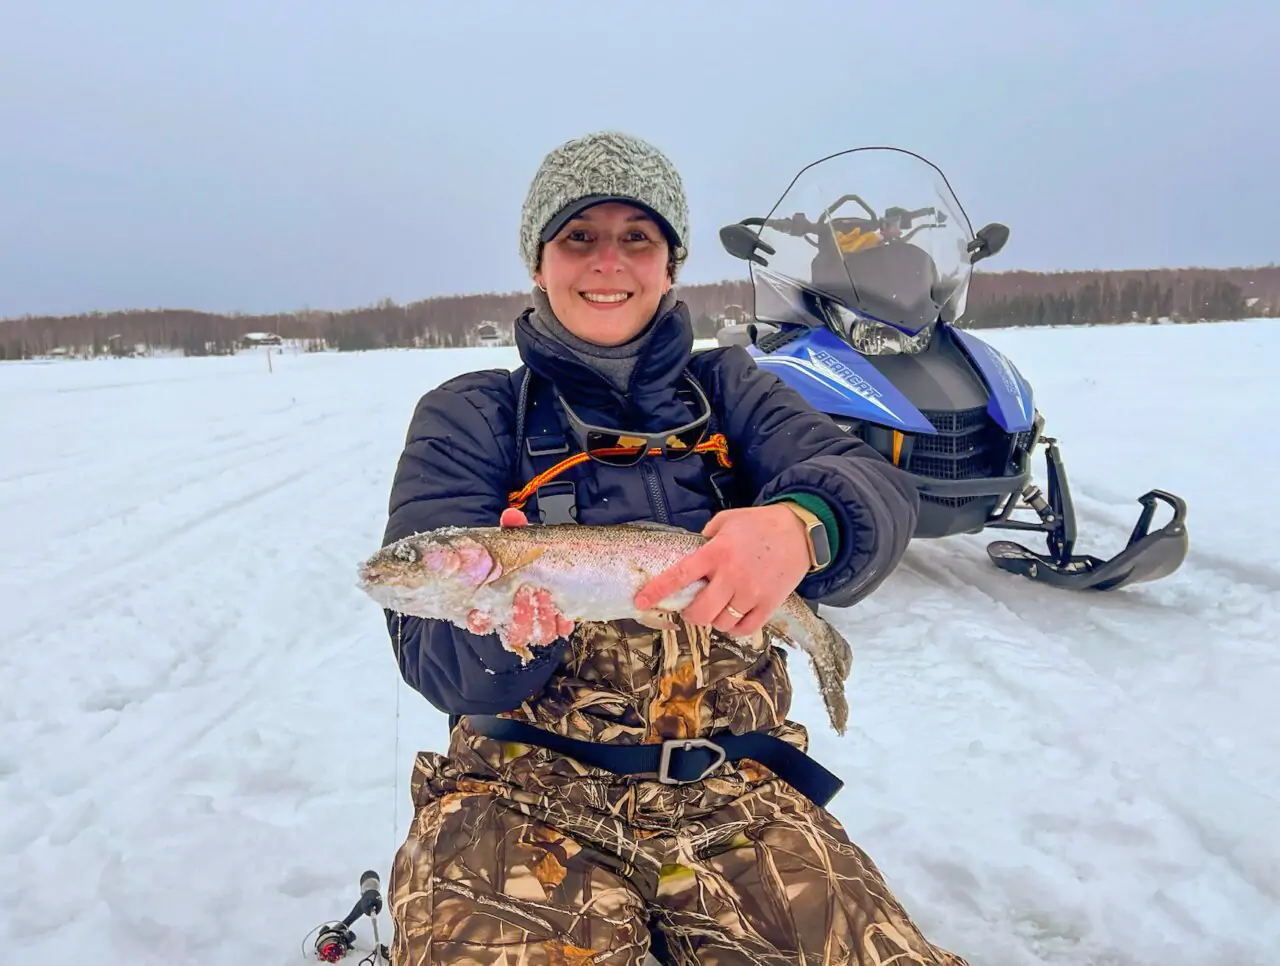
pixel 335 940
pixel 395 765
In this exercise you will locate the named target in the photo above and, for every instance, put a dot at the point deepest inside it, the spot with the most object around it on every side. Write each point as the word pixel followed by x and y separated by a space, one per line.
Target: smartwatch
pixel 816 530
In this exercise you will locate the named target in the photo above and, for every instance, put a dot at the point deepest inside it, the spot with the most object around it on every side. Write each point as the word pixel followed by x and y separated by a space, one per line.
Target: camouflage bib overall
pixel 523 857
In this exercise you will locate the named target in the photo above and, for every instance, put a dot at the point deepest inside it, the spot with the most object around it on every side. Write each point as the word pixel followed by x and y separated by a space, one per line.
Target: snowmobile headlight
pixel 877 339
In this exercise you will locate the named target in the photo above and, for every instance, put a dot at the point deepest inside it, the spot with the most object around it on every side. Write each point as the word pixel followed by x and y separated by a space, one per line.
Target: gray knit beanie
pixel 605 166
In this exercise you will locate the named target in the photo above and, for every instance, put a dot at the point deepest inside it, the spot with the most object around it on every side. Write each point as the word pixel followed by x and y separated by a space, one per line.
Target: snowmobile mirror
pixel 990 239
pixel 741 242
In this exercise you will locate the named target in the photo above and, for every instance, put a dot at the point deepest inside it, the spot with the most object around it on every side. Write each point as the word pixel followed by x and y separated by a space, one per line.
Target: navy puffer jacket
pixel 460 463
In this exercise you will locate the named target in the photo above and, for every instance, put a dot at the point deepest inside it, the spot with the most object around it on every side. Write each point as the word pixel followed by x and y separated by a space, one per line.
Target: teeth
pixel 619 297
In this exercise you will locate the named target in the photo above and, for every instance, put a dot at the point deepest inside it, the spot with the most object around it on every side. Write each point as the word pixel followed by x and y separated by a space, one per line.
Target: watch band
pixel 816 532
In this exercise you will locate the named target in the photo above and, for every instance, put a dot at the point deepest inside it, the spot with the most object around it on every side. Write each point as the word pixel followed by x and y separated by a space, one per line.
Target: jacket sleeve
pixel 453 472
pixel 782 445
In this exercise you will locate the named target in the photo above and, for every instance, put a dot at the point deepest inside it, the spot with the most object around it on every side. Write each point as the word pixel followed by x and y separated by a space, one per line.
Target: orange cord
pixel 716 444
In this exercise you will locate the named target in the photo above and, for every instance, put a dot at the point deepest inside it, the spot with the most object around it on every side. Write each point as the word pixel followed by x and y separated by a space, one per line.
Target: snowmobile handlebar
pixel 799 225
pixel 742 239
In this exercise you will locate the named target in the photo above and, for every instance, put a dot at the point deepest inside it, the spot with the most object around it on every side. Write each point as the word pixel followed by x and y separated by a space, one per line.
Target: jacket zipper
pixel 657 502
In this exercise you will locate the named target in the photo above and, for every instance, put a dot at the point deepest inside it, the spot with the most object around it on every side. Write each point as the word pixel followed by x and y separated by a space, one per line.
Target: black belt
pixel 678 761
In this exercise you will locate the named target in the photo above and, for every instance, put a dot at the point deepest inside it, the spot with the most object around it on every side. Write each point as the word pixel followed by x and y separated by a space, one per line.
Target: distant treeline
pixel 1002 299
pixel 1075 298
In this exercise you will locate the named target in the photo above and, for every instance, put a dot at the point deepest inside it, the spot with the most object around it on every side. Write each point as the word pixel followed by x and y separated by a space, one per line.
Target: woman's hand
pixel 754 558
pixel 535 619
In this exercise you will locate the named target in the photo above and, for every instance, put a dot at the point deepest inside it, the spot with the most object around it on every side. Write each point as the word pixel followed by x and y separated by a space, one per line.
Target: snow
pixel 204 741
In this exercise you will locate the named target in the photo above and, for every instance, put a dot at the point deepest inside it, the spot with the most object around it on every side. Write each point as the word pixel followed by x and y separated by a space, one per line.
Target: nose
pixel 608 256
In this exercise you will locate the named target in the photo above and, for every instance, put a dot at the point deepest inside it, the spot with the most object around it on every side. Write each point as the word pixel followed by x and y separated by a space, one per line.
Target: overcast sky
pixel 263 155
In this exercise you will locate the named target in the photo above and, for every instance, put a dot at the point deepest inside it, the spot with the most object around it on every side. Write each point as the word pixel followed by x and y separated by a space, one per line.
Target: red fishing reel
pixel 335 940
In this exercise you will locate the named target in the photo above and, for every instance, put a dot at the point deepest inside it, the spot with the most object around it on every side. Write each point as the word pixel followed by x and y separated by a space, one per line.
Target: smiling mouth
pixel 605 298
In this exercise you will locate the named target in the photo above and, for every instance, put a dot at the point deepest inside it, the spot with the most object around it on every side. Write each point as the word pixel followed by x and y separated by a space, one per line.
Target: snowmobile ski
pixel 1148 555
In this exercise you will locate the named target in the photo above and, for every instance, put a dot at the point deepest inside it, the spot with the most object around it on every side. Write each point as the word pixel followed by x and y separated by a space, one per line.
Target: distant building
pixel 733 314
pixel 488 334
pixel 251 340
pixel 115 345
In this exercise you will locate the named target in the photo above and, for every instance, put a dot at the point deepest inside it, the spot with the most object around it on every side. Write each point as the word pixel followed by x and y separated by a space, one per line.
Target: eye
pixel 407 552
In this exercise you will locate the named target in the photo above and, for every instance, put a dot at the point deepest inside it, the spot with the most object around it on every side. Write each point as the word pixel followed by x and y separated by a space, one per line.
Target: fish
pixel 476 577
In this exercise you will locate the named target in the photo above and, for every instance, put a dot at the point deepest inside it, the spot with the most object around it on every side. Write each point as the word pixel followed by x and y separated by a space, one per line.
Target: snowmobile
pixel 859 312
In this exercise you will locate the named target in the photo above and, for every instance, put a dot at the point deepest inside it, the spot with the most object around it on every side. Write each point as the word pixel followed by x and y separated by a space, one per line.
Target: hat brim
pixel 575 208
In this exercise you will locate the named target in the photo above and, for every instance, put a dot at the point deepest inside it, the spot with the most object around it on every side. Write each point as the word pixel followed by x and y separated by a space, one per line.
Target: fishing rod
pixel 334 940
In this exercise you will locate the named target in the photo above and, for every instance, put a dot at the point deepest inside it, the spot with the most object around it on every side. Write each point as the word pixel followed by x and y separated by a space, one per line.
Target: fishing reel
pixel 334 940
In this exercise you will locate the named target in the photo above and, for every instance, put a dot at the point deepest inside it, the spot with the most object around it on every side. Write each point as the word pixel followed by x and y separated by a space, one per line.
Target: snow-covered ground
pixel 204 740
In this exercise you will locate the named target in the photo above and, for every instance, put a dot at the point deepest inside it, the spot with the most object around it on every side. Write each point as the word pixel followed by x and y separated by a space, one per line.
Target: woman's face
pixel 606 272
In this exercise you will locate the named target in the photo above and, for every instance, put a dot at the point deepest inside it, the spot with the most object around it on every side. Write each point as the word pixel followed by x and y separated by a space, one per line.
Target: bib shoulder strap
pixel 541 446
pixel 716 455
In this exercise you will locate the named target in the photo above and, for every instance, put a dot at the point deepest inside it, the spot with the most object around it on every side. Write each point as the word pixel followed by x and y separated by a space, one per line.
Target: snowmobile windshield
pixel 875 230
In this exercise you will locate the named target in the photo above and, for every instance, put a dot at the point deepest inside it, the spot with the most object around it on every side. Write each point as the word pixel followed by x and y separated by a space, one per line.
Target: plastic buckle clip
pixel 686 744
pixel 557 502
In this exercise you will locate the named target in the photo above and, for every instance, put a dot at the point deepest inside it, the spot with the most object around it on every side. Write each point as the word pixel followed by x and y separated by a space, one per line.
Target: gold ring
pixel 737 615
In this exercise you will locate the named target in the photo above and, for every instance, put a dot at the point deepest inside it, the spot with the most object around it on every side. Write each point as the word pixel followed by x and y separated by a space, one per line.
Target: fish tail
pixel 830 656
pixel 832 660
pixel 838 647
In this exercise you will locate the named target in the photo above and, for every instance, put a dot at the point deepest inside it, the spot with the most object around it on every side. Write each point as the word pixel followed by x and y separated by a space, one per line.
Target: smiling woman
pixel 606 270
pixel 617 787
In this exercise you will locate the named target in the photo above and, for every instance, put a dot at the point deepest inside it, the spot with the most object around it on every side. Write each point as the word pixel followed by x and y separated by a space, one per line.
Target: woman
pixel 554 830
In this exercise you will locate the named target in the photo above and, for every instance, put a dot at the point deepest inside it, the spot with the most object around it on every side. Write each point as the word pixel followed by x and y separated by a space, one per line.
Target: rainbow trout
pixel 470 578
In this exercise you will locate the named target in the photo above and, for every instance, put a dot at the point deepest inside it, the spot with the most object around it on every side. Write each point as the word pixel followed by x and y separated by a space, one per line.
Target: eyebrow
pixel 638 216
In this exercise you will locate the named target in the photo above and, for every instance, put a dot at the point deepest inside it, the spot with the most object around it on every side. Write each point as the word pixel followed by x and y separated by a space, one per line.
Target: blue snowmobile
pixel 858 312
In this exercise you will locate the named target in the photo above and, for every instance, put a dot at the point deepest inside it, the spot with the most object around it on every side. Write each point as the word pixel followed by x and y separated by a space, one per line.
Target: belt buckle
pixel 686 744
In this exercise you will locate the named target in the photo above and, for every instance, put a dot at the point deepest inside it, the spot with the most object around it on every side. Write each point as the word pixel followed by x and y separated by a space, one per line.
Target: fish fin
pixel 777 631
pixel 520 650
pixel 526 558
pixel 654 525
pixel 657 620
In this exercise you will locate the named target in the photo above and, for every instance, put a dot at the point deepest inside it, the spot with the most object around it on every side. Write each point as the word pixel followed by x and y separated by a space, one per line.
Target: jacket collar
pixel 668 346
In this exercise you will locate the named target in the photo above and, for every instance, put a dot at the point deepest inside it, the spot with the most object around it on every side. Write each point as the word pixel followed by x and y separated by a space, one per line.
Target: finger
pixel 714 524
pixel 521 616
pixel 544 617
pixel 479 622
pixel 735 611
pixel 710 602
pixel 754 619
pixel 511 517
pixel 729 622
pixel 677 577
pixel 533 605
pixel 517 635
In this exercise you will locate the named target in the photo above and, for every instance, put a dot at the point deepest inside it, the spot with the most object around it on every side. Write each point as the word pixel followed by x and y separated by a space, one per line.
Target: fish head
pixel 424 561
pixel 395 565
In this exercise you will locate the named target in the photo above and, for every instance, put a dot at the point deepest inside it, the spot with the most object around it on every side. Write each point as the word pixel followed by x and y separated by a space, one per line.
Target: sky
pixel 264 155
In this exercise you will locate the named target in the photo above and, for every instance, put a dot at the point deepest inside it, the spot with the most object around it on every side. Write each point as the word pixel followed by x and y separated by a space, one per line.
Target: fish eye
pixel 407 553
